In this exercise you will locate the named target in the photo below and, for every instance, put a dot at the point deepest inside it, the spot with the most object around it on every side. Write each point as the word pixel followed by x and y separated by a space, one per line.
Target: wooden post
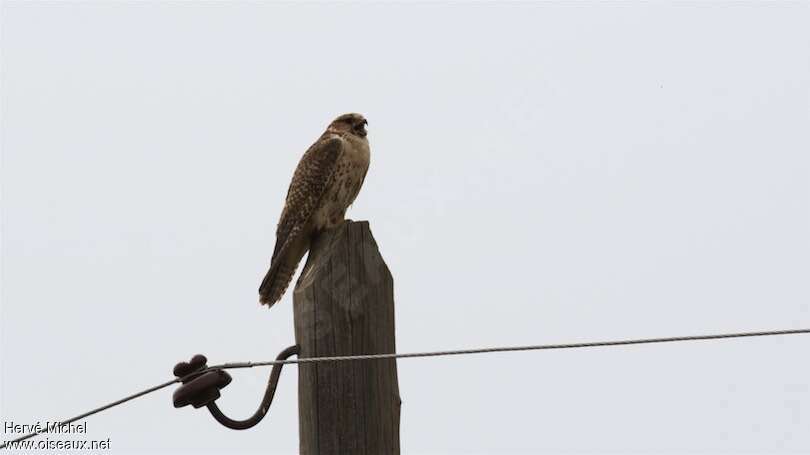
pixel 344 305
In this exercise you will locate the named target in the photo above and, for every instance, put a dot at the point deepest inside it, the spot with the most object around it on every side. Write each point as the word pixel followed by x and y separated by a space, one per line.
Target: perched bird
pixel 324 185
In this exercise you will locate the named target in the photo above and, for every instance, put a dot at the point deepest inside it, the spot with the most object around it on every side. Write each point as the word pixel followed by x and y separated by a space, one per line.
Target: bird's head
pixel 349 123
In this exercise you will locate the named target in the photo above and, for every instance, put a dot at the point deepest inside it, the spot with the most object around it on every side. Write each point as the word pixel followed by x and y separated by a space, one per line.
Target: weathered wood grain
pixel 344 305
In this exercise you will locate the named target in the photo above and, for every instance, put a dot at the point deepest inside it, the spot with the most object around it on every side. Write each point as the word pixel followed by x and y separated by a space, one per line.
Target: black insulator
pixel 202 390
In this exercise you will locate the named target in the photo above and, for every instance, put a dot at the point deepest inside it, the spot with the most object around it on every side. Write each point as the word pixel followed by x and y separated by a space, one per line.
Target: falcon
pixel 325 183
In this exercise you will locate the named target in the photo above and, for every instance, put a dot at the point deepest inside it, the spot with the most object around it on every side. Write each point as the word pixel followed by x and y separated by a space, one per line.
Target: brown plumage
pixel 324 185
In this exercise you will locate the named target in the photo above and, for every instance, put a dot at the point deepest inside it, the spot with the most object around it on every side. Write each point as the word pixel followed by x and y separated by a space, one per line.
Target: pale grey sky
pixel 540 173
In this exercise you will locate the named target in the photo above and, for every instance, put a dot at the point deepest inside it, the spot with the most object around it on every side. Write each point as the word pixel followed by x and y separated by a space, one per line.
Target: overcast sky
pixel 540 173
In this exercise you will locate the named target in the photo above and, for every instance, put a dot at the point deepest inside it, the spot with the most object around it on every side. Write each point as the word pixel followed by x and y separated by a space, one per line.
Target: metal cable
pixel 538 347
pixel 91 412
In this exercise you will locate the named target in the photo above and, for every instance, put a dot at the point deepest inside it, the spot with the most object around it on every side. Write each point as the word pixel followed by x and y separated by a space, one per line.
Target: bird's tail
pixel 282 269
pixel 276 281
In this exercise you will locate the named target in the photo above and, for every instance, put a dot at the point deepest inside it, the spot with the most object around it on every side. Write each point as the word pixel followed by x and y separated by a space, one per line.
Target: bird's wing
pixel 359 185
pixel 310 180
